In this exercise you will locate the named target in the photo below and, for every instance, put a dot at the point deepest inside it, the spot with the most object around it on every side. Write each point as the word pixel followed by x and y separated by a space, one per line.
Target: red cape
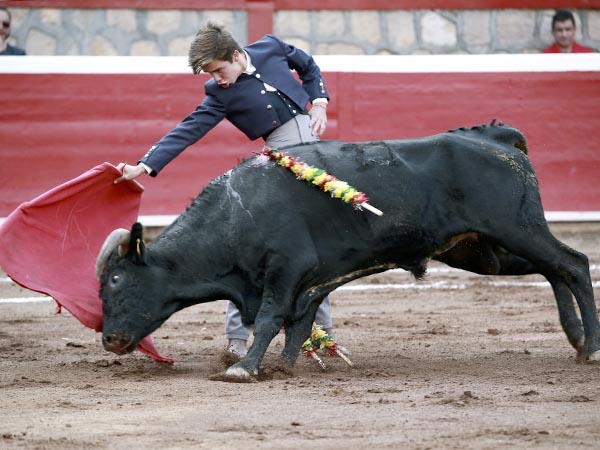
pixel 50 244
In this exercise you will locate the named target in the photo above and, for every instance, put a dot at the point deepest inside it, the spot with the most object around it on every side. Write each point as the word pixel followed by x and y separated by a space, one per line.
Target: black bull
pixel 276 246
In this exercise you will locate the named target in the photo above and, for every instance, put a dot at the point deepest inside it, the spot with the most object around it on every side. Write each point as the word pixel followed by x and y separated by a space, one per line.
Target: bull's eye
pixel 115 279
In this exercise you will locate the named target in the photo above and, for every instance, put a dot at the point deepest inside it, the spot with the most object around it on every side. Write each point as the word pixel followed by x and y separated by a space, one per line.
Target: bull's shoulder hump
pixel 493 133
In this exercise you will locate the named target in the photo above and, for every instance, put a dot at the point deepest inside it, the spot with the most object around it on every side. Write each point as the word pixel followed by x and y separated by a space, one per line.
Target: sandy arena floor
pixel 457 361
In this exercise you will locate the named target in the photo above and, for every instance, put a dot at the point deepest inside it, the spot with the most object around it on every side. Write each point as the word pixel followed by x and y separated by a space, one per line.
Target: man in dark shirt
pixel 5 47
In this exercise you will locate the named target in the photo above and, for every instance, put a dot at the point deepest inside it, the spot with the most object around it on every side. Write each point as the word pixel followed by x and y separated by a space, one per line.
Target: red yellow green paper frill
pixel 321 179
pixel 321 341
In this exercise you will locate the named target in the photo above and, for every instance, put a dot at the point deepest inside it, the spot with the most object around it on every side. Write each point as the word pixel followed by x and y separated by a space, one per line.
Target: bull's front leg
pixel 266 326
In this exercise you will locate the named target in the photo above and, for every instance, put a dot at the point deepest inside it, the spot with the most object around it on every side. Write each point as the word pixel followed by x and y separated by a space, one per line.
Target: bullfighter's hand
pixel 318 119
pixel 129 172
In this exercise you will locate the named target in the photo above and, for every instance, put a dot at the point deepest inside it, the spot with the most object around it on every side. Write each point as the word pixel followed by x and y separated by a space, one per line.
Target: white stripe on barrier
pixel 26 300
pixel 459 63
pixel 572 62
pixel 572 216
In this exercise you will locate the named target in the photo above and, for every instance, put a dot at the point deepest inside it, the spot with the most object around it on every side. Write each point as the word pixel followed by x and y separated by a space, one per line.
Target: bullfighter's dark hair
pixel 563 15
pixel 211 43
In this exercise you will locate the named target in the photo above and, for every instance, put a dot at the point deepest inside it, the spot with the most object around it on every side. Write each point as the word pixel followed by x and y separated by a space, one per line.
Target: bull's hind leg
pixel 296 334
pixel 482 255
pixel 569 321
pixel 564 268
pixel 571 325
pixel 510 264
pixel 579 283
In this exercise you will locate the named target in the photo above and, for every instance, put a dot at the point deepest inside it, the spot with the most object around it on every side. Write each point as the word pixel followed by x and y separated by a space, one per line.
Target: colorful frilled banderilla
pixel 320 340
pixel 323 180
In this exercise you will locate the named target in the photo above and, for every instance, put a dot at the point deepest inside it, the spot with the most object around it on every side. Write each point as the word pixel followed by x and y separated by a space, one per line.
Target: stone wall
pixel 169 32
pixel 428 32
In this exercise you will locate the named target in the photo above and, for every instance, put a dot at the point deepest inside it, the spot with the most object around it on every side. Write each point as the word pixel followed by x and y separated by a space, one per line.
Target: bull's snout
pixel 117 343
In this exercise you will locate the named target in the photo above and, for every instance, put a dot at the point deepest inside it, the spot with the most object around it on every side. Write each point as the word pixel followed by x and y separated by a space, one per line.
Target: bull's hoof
pixel 235 375
pixel 594 357
pixel 584 356
pixel 238 372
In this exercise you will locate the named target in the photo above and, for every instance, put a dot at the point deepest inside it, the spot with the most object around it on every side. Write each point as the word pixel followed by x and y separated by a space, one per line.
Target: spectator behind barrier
pixel 5 47
pixel 563 30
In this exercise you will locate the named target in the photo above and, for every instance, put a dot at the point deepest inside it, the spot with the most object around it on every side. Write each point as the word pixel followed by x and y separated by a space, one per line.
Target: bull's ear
pixel 137 248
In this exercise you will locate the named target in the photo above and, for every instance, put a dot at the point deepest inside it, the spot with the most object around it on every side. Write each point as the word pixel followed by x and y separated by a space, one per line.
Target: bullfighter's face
pixel 226 73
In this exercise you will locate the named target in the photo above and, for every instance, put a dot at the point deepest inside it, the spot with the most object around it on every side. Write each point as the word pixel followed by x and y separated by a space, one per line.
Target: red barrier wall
pixel 56 126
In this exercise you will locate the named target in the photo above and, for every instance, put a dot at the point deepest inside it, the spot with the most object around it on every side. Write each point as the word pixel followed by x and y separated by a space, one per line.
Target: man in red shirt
pixel 563 30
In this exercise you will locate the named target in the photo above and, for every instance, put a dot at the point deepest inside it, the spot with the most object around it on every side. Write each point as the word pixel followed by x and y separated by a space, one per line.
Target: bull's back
pixel 411 154
pixel 456 159
pixel 474 174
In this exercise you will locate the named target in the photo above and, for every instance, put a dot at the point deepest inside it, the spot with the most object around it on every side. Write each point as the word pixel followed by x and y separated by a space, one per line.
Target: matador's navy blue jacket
pixel 246 103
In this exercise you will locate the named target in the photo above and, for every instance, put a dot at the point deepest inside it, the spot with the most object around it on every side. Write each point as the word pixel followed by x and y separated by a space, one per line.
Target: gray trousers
pixel 295 131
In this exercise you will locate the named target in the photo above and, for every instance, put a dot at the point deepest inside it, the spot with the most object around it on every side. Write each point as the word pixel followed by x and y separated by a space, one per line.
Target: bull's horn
pixel 119 237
